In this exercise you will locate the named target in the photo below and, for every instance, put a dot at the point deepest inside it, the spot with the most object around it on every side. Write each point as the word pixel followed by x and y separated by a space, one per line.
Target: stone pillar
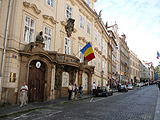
pixel 52 83
pixel 80 77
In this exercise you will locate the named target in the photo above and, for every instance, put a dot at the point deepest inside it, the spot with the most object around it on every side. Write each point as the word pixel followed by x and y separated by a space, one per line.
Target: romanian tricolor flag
pixel 88 52
pixel 158 55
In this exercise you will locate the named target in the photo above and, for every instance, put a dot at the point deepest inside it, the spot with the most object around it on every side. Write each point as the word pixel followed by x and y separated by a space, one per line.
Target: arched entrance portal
pixel 36 81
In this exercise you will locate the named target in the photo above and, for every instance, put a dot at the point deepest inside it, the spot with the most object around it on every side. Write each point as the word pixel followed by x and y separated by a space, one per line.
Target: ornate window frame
pixel 67 46
pixel 47 37
pixel 27 37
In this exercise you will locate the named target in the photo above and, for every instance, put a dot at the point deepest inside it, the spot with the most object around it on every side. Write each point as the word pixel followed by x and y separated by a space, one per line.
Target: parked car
pixel 150 83
pixel 110 92
pixel 146 83
pixel 122 88
pixel 103 92
pixel 142 84
pixel 130 87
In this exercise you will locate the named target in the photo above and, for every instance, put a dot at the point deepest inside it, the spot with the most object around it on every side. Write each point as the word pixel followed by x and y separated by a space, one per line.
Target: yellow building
pixel 134 68
pixel 124 59
pixel 49 67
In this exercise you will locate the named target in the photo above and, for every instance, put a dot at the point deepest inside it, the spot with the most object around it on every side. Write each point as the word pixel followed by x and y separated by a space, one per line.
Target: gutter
pixel 5 44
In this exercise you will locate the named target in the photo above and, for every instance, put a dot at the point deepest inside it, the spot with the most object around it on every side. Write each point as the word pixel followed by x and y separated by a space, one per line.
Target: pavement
pixel 15 109
pixel 157 111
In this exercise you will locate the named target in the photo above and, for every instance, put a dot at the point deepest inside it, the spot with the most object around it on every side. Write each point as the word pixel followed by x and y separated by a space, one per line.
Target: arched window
pixel 85 81
pixel 65 79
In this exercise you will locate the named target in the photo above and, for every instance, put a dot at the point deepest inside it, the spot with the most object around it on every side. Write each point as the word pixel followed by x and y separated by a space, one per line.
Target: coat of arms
pixel 70 26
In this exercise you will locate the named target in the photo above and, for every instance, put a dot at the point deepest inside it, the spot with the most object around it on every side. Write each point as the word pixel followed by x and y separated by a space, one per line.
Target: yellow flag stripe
pixel 88 51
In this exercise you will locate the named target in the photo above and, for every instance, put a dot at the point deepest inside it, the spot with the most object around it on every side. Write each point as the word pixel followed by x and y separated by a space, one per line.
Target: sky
pixel 139 20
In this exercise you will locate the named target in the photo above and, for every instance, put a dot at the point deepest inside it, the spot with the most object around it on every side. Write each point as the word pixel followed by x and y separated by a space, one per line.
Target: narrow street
pixel 138 104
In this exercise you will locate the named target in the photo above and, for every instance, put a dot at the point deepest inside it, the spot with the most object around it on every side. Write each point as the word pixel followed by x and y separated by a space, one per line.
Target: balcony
pixel 67 59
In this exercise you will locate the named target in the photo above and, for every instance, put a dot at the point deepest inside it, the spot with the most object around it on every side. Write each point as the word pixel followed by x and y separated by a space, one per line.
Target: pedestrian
pixel 73 92
pixel 159 85
pixel 23 91
pixel 80 90
pixel 107 88
pixel 69 91
pixel 98 87
pixel 76 90
pixel 93 88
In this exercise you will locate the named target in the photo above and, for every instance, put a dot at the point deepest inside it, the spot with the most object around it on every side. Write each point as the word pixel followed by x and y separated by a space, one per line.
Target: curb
pixel 157 110
pixel 40 107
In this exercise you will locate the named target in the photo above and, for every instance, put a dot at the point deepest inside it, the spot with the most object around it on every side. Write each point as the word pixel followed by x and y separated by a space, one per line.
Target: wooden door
pixel 36 82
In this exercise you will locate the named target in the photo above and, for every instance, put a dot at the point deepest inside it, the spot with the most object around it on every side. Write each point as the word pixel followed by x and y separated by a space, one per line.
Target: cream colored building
pixel 134 68
pixel 49 67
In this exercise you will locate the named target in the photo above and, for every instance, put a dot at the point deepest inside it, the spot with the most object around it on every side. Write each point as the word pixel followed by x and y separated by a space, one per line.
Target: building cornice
pixel 83 39
pixel 33 6
pixel 47 17
pixel 72 2
pixel 87 8
pixel 85 14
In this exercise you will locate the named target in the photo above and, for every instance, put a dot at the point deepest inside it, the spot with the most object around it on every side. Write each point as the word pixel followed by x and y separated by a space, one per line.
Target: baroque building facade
pixel 134 68
pixel 145 73
pixel 113 58
pixel 48 67
pixel 117 40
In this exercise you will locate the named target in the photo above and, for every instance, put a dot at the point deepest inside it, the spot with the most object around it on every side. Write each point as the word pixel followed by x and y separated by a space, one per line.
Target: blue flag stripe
pixel 85 48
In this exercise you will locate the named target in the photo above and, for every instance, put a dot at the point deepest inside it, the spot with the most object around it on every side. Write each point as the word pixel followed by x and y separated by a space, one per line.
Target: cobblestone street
pixel 138 104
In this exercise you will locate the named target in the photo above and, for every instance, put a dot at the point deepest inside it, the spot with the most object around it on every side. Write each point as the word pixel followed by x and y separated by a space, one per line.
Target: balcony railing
pixel 67 59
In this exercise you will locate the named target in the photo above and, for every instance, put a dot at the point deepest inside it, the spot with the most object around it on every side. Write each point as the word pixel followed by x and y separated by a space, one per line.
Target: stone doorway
pixel 36 81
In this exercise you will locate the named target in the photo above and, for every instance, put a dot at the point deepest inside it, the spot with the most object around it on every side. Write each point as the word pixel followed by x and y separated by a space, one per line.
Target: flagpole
pixel 77 53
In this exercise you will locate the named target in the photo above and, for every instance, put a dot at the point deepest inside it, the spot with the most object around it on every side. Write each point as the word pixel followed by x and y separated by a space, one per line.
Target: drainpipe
pixel 56 27
pixel 5 43
pixel 102 72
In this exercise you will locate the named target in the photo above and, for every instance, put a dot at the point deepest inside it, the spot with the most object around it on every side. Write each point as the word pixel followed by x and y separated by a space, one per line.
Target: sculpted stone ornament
pixel 100 13
pixel 39 38
pixel 70 26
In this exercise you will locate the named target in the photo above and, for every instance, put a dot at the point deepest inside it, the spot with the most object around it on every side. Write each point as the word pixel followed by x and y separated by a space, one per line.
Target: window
pixel 81 56
pixel 86 82
pixel 110 67
pixel 102 65
pixel 95 35
pixel 47 38
pixel 68 12
pixel 29 29
pixel 50 2
pixel 99 82
pixel 95 61
pixel 12 77
pixel 98 63
pixel 88 28
pixel 67 46
pixel 105 68
pixel 105 48
pixel 65 79
pixel 99 40
pixel 144 74
pixel 102 44
pixel 81 22
pixel 109 52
